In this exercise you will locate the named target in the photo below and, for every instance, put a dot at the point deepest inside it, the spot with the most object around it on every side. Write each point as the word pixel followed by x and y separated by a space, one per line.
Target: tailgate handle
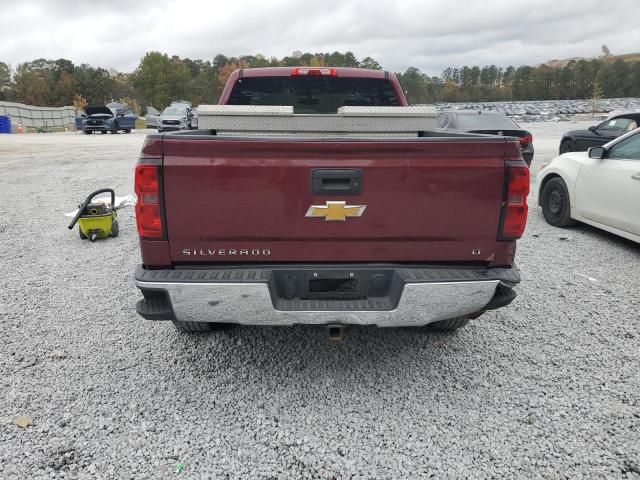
pixel 336 181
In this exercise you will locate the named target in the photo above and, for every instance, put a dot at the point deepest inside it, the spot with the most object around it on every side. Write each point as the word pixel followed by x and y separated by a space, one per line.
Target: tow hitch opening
pixel 336 332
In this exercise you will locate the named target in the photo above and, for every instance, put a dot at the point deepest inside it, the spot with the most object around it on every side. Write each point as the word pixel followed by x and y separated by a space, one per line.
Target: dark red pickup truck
pixel 313 198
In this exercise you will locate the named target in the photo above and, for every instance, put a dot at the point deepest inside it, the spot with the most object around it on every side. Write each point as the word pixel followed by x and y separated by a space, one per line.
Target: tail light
pixel 148 188
pixel 526 140
pixel 331 72
pixel 514 207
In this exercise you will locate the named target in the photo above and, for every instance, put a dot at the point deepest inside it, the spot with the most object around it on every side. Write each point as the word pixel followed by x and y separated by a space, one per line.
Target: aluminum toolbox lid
pixel 238 119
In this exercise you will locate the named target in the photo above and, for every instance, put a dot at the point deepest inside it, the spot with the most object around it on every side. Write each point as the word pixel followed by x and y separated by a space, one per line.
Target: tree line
pixel 578 79
pixel 160 78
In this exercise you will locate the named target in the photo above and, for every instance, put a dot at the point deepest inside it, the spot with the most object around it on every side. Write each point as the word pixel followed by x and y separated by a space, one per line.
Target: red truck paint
pixel 426 201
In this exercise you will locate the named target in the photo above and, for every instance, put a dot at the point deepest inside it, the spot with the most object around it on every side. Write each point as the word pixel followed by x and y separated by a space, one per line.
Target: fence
pixel 45 118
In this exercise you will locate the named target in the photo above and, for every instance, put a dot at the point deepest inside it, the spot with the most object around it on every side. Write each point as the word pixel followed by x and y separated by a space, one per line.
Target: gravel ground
pixel 548 387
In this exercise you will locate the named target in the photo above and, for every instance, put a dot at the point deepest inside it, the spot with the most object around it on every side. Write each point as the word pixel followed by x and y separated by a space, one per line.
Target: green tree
pixel 619 85
pixel 414 84
pixel 369 62
pixel 32 87
pixel 634 79
pixel 160 79
pixel 6 82
pixel 219 61
pixel 204 87
pixel 94 84
pixel 65 89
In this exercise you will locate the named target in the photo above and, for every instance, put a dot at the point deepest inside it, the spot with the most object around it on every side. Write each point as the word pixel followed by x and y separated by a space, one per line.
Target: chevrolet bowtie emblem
pixel 335 211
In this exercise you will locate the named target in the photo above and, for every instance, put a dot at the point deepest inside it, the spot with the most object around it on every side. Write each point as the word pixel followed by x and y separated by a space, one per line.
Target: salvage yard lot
pixel 549 386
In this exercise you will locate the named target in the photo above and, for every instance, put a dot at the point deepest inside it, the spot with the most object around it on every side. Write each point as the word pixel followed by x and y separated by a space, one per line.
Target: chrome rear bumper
pixel 416 296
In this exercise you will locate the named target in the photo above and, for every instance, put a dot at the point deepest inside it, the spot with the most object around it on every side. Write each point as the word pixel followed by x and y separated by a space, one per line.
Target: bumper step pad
pixel 156 307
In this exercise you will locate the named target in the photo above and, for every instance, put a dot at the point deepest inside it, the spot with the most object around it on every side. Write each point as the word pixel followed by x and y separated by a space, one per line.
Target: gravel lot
pixel 548 387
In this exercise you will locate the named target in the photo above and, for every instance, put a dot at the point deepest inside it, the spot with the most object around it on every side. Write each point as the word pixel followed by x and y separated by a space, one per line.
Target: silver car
pixel 177 117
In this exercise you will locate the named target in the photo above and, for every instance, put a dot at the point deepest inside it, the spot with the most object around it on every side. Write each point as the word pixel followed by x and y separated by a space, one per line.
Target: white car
pixel 600 187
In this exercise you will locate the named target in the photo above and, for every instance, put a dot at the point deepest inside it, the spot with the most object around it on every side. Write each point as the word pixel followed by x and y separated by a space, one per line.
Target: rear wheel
pixel 556 205
pixel 127 130
pixel 450 325
pixel 115 229
pixel 199 327
pixel 567 146
pixel 88 132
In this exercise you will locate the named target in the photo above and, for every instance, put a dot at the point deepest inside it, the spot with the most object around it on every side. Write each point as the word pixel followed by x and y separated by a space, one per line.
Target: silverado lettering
pixel 299 153
pixel 210 252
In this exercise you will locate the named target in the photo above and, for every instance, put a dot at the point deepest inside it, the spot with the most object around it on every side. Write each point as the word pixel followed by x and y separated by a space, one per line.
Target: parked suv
pixel 178 116
pixel 111 117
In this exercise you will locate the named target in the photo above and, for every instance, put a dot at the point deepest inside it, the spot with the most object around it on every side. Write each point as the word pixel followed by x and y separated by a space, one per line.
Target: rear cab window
pixel 314 94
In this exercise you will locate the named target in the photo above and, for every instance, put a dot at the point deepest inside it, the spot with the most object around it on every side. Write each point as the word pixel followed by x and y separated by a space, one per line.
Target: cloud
pixel 430 35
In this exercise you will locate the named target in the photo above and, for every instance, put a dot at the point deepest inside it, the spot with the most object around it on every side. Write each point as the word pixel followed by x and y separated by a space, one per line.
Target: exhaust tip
pixel 336 332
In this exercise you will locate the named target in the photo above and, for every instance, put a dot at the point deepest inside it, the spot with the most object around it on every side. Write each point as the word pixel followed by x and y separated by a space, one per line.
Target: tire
pixel 127 130
pixel 449 325
pixel 87 132
pixel 114 128
pixel 115 229
pixel 103 132
pixel 556 204
pixel 567 146
pixel 198 327
pixel 82 235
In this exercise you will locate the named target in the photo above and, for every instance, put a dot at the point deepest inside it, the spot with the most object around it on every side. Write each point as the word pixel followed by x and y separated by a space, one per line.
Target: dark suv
pixel 112 117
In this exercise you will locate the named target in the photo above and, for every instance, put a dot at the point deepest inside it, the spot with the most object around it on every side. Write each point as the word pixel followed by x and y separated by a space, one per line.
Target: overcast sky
pixel 430 35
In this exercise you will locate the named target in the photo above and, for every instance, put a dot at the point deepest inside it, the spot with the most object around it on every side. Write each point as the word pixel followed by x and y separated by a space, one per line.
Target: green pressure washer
pixel 96 220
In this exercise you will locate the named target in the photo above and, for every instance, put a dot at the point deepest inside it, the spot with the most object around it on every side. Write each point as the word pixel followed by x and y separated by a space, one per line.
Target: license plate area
pixel 330 284
pixel 333 286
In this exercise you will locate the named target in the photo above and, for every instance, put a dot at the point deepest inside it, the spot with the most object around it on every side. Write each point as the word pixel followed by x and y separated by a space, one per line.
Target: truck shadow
pixel 277 367
pixel 307 351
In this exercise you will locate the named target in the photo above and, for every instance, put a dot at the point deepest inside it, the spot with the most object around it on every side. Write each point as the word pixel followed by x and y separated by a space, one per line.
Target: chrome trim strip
pixel 250 304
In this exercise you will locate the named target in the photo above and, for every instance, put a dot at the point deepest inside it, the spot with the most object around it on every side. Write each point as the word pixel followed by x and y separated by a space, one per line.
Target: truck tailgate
pixel 245 200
